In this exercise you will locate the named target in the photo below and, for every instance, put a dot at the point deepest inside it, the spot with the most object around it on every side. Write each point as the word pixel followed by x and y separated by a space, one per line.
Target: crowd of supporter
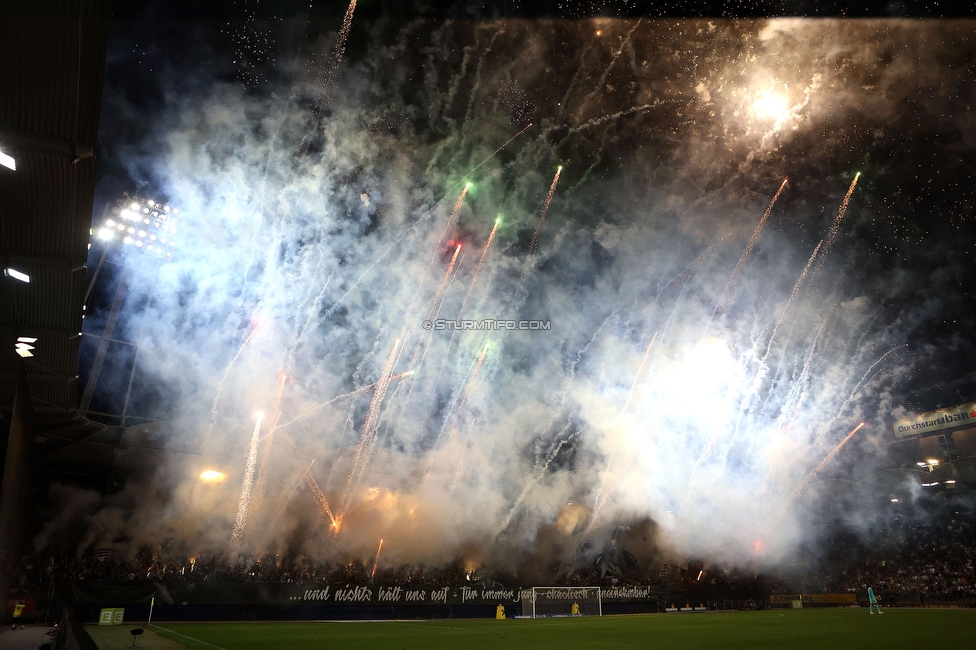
pixel 922 563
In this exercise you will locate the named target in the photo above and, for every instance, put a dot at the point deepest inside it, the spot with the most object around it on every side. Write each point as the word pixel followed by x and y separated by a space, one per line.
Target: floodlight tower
pixel 133 224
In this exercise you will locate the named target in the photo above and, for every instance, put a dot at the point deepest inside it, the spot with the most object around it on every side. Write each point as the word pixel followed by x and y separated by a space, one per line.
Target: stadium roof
pixel 52 61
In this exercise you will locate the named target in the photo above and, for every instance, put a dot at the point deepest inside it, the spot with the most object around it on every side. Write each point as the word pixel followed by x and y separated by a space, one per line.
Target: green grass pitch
pixel 834 629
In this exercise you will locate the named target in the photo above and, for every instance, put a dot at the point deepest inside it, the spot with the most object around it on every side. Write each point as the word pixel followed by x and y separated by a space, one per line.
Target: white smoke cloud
pixel 654 210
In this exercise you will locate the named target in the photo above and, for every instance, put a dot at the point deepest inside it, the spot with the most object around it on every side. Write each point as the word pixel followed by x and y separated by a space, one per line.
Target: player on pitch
pixel 874 601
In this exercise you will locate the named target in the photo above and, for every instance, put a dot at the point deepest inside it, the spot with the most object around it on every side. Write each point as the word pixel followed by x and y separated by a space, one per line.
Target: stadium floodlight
pixel 930 484
pixel 565 601
pixel 894 500
pixel 933 462
pixel 951 482
pixel 16 275
pixel 8 161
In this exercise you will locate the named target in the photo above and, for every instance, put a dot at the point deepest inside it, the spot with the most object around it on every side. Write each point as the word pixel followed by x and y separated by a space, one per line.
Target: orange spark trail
pixel 450 222
pixel 366 436
pixel 477 270
pixel 340 45
pixel 377 561
pixel 244 501
pixel 723 300
pixel 816 470
pixel 545 209
pixel 835 226
pixel 633 386
pixel 320 499
pixel 436 302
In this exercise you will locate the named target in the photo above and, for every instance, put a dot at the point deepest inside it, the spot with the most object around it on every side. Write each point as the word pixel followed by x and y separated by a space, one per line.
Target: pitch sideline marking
pixel 186 636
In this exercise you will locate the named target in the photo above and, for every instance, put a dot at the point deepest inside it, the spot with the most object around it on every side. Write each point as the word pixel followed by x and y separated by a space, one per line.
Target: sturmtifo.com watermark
pixel 487 324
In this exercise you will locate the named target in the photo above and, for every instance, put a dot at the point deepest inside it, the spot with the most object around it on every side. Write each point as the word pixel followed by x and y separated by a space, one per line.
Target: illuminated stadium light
pixel 951 482
pixel 138 219
pixel 8 161
pixel 894 500
pixel 930 484
pixel 16 275
pixel 932 461
pixel 23 346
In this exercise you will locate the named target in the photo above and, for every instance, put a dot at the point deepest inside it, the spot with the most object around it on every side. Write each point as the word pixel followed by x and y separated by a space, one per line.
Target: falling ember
pixel 819 468
pixel 435 304
pixel 244 502
pixel 320 499
pixel 699 575
pixel 340 46
pixel 481 262
pixel 450 222
pixel 727 292
pixel 545 209
pixel 377 561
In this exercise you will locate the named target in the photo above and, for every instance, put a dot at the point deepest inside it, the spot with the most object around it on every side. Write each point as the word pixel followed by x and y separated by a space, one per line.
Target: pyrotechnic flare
pixel 376 562
pixel 435 304
pixel 223 380
pixel 727 292
pixel 365 445
pixel 545 209
pixel 450 222
pixel 493 153
pixel 244 502
pixel 320 499
pixel 266 456
pixel 819 468
pixel 340 45
pixel 835 226
pixel 481 262
pixel 640 369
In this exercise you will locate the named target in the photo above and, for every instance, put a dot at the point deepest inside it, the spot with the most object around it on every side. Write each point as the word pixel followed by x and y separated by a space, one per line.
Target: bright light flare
pixel 211 476
pixel 17 275
pixel 772 106
pixel 8 161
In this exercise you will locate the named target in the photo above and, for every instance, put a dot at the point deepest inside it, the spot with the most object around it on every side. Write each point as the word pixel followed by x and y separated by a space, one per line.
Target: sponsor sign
pixel 947 418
